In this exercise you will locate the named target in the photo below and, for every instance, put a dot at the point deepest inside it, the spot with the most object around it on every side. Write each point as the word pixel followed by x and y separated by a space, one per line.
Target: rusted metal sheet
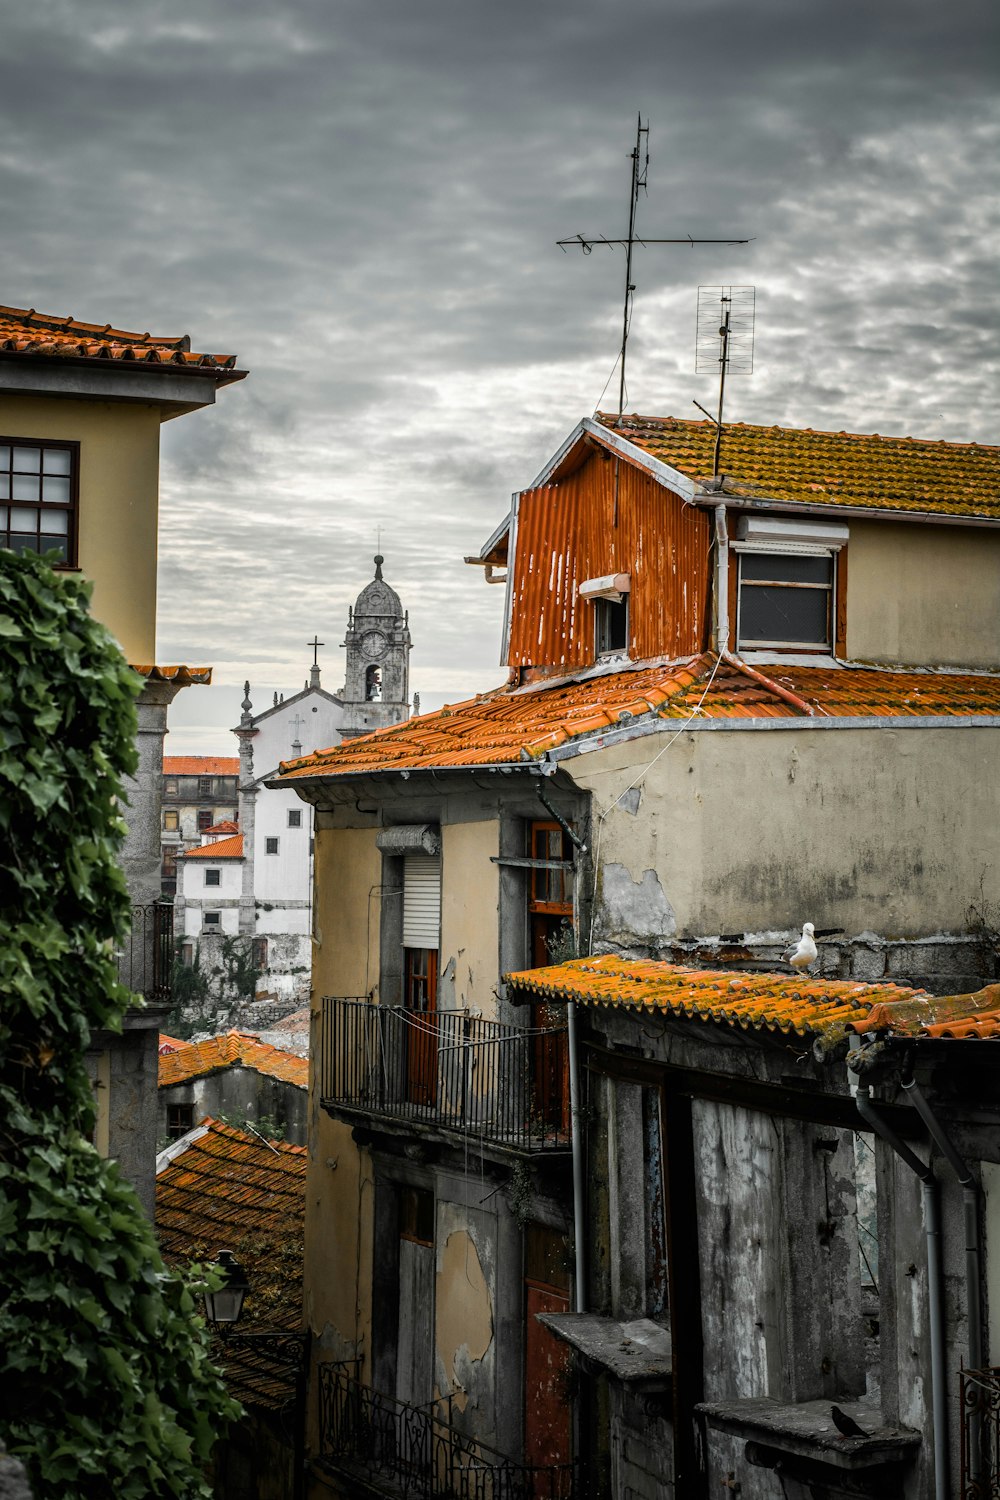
pixel 593 523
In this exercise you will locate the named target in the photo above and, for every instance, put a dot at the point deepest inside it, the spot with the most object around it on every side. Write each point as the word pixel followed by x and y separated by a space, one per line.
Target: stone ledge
pixel 632 1351
pixel 806 1429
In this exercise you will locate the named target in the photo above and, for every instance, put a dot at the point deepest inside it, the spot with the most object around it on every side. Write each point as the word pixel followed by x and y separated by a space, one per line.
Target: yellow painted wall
pixel 119 472
pixel 470 894
pixel 923 595
pixel 749 832
pixel 338 1232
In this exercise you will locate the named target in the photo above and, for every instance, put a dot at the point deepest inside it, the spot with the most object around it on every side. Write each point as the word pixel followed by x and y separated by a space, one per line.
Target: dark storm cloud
pixel 362 200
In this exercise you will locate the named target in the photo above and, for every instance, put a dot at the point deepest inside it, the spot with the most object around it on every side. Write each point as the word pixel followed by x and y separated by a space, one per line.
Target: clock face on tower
pixel 373 643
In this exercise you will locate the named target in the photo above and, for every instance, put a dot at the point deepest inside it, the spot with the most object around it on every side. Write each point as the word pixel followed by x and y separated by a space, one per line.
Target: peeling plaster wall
pixel 887 831
pixel 470 894
pixel 465 1294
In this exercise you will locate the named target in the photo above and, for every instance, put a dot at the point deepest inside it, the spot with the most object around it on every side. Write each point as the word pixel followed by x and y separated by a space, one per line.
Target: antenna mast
pixel 734 330
pixel 586 244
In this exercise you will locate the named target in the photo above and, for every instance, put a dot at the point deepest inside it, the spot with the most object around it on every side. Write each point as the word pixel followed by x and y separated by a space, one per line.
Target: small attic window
pixel 786 600
pixel 610 626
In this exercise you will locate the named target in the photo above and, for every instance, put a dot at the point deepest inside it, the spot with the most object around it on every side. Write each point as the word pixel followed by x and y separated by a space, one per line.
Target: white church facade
pixel 254 881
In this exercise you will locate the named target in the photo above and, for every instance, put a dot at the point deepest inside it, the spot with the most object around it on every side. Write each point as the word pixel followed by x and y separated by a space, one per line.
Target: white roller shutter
pixel 421 900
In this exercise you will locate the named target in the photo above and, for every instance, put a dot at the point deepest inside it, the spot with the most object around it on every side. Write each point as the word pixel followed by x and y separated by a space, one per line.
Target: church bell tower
pixel 377 683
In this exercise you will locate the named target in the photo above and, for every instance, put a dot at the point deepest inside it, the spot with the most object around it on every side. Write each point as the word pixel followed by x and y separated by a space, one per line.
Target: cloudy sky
pixel 361 199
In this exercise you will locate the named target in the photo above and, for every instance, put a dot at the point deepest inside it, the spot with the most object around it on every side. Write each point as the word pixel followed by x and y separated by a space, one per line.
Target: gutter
pixel 706 498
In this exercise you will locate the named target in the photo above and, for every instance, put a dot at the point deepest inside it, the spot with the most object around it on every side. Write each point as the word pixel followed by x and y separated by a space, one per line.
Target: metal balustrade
pixel 445 1068
pixel 980 1405
pixel 146 956
pixel 409 1450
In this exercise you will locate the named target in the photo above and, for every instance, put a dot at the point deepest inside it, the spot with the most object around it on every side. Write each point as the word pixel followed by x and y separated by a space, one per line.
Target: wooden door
pixel 548 1427
pixel 420 1002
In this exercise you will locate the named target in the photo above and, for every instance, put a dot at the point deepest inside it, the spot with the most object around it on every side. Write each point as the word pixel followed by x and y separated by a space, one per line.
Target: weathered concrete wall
pixel 923 595
pixel 241 1094
pixel 119 473
pixel 888 832
pixel 469 901
pixel 464 1300
pixel 123 1072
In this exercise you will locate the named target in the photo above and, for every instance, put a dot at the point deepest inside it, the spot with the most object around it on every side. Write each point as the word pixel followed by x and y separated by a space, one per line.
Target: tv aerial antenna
pixel 724 341
pixel 640 179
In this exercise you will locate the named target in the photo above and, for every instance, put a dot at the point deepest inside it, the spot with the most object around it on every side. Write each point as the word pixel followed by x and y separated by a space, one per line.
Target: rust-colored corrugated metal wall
pixel 568 532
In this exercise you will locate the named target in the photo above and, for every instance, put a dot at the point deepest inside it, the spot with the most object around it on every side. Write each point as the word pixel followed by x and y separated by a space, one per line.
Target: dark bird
pixel 845 1425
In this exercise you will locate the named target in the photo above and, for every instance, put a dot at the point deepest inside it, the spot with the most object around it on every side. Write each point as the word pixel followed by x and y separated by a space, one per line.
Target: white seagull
pixel 804 953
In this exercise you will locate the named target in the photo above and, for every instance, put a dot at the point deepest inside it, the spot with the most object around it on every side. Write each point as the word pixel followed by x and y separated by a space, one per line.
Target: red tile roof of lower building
pixel 971 1016
pixel 775 1001
pixel 201 765
pixel 231 848
pixel 510 725
pixel 235 1049
pixel 852 469
pixel 30 334
pixel 222 1188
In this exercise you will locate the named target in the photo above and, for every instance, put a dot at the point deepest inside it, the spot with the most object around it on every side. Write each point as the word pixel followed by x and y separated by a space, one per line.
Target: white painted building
pixel 258 882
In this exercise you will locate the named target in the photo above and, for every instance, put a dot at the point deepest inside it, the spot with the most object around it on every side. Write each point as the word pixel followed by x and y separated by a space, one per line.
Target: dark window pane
pixel 784 616
pixel 612 625
pixel 776 567
pixel 55 544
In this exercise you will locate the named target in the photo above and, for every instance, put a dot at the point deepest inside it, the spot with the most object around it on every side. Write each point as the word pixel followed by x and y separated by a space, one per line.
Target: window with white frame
pixel 786 584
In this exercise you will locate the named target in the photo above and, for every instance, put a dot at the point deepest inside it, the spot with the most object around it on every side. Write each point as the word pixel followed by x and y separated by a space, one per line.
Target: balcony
pixel 388 1448
pixel 146 957
pixel 980 1405
pixel 446 1070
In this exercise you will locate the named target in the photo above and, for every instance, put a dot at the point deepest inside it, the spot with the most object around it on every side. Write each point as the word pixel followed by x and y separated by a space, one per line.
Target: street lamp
pixel 226 1304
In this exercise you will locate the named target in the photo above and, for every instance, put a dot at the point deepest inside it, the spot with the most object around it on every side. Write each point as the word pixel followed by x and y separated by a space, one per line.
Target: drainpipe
pixel 721 581
pixel 579 1244
pixel 932 1230
pixel 970 1199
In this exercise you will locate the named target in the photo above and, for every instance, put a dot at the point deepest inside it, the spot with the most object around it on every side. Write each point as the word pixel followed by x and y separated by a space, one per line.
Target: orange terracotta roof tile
pixel 182 676
pixel 25 332
pixel 226 826
pixel 235 1049
pixel 221 1188
pixel 507 726
pixel 975 1015
pixel 201 765
pixel 231 848
pixel 826 468
pixel 169 1044
pixel 779 1002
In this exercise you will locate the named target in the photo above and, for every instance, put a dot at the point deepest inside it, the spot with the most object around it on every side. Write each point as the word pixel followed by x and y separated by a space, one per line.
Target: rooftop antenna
pixel 724 339
pixel 640 174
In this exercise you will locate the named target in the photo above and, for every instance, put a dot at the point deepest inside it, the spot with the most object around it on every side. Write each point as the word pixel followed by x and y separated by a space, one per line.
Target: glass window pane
pixel 56 490
pixel 4 486
pixel 24 487
pixel 775 567
pixel 786 616
pixel 3 516
pixel 53 544
pixel 5 456
pixel 23 519
pixel 23 543
pixel 55 521
pixel 28 460
pixel 57 460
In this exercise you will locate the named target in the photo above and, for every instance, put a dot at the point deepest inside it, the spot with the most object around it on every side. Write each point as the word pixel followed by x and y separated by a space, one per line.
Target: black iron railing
pixel 980 1392
pixel 370 1435
pixel 146 957
pixel 498 1082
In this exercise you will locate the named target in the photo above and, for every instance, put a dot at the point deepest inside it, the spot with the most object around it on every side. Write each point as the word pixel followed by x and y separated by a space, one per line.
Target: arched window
pixel 373 685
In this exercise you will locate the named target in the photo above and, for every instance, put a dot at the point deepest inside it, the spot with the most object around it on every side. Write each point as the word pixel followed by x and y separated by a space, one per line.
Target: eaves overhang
pixel 175 388
pixel 384 778
pixel 588 429
pixel 639 730
pixel 709 499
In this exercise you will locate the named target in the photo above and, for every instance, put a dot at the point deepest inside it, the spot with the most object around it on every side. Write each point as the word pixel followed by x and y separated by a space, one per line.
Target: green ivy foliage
pixel 106 1388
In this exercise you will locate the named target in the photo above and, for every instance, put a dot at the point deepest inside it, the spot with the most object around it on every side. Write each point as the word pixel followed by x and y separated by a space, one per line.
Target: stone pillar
pixel 140 855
